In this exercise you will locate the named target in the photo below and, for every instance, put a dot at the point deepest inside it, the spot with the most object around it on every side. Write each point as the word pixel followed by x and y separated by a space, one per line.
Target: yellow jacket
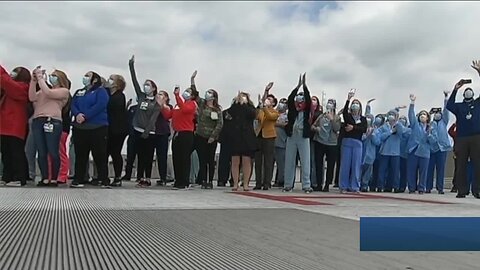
pixel 267 117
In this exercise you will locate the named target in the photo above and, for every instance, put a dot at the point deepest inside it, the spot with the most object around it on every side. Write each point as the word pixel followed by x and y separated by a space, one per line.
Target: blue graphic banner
pixel 420 234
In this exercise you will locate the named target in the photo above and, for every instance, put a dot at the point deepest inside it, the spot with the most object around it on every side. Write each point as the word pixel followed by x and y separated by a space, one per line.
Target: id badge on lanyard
pixel 48 127
pixel 144 106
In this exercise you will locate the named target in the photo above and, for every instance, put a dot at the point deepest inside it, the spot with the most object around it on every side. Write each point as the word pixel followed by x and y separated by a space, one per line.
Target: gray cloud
pixel 386 50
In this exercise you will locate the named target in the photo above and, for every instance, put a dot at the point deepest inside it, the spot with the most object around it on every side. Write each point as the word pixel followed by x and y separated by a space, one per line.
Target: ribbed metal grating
pixel 63 230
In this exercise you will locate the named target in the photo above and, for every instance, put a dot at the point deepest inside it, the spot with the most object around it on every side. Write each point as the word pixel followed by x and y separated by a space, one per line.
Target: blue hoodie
pixel 370 143
pixel 93 104
pixel 420 140
pixel 441 131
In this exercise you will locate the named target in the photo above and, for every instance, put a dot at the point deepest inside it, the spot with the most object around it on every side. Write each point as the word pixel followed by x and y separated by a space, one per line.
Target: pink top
pixel 47 102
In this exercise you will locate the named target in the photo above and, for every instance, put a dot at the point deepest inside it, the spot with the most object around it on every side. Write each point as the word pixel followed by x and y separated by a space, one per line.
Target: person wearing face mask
pixel 183 124
pixel 440 149
pixel 351 163
pixel 162 135
pixel 280 142
pixel 390 135
pixel 378 122
pixel 209 125
pixel 418 146
pixel 315 111
pixel 467 143
pixel 131 151
pixel 326 128
pixel 117 128
pixel 47 120
pixel 298 130
pixel 90 129
pixel 225 157
pixel 13 124
pixel 404 153
pixel 370 142
pixel 144 126
pixel 244 143
pixel 264 158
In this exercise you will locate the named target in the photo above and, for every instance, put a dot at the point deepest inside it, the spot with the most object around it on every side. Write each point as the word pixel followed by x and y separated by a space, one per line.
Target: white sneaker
pixel 14 184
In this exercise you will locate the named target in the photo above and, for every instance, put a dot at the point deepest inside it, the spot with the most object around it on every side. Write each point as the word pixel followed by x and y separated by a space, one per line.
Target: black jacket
pixel 358 127
pixel 293 113
pixel 117 114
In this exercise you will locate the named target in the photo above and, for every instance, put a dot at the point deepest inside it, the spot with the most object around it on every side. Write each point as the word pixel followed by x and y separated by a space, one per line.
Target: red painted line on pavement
pixel 304 200
pixel 287 199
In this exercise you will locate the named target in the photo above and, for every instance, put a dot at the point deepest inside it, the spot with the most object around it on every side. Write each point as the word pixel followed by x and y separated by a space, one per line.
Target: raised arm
pixel 368 108
pixel 133 74
pixel 411 111
pixel 58 93
pixel 451 105
pixel 306 93
pixel 446 114
pixel 32 91
pixel 293 94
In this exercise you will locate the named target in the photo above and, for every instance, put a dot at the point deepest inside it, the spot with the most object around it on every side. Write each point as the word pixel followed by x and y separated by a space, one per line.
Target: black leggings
pixel 13 159
pixel 182 147
pixel 206 159
pixel 94 140
pixel 161 149
pixel 145 149
pixel 114 149
pixel 330 151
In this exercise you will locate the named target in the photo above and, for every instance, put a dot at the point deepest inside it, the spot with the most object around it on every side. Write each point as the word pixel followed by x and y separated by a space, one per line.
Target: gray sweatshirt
pixel 328 130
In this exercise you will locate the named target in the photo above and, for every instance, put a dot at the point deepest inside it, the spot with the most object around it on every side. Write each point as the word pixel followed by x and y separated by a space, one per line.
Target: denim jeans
pixel 297 143
pixel 47 143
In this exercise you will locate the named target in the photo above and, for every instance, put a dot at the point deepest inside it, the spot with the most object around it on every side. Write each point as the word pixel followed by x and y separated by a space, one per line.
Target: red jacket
pixel 183 115
pixel 13 108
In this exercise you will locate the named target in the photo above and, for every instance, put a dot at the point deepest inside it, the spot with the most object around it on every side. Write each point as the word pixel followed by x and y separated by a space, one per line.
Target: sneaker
pixel 14 184
pixel 94 182
pixel 76 185
pixel 441 192
pixel 257 188
pixel 287 190
pixel 106 187
pixel 3 183
pixel 308 190
pixel 265 188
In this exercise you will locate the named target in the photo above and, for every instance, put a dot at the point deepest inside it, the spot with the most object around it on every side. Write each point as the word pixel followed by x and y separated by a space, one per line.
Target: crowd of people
pixel 349 147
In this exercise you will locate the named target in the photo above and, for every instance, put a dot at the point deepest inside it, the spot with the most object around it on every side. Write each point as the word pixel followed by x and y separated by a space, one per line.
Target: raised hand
pixel 412 98
pixel 259 99
pixel 351 94
pixel 476 65
pixel 194 74
pixel 459 84
pixel 370 101
pixel 132 60
pixel 304 81
pixel 299 81
pixel 269 86
pixel 401 107
pixel 446 93
pixel 176 91
pixel 129 102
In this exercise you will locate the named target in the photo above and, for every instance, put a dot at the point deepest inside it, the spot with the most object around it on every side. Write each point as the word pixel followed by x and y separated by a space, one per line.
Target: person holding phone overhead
pixel 47 120
pixel 352 145
pixel 144 125
pixel 440 149
pixel 467 143
pixel 183 116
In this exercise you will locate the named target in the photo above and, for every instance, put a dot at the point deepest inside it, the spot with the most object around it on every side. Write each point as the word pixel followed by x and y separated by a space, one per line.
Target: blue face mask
pixel 86 81
pixel 147 89
pixel 53 79
pixel 378 121
pixel 281 107
pixel 391 118
pixel 186 95
pixel 355 107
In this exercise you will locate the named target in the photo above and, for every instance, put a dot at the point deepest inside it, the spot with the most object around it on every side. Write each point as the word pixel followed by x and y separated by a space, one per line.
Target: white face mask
pixel 13 75
pixel 110 82
pixel 186 95
pixel 147 89
pixel 391 118
pixel 468 94
pixel 437 117
pixel 300 98
pixel 423 118
pixel 355 107
pixel 329 106
pixel 209 96
pixel 281 107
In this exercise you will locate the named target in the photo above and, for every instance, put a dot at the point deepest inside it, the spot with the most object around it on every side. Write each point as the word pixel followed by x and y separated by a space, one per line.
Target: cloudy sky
pixel 385 50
